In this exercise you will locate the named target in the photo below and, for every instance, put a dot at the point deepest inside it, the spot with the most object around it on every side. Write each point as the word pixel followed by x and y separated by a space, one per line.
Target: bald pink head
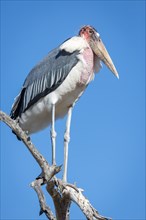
pixel 87 32
pixel 93 38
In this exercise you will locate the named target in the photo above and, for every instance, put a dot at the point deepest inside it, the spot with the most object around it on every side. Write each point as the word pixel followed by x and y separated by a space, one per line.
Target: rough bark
pixel 62 194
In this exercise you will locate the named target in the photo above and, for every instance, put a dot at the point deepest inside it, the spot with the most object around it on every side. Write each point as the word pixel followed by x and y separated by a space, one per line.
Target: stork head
pixel 93 38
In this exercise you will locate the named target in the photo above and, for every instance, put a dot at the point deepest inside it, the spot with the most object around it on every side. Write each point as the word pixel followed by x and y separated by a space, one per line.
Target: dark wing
pixel 44 78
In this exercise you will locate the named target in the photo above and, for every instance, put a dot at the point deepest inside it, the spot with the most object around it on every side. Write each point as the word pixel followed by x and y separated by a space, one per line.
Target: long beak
pixel 100 50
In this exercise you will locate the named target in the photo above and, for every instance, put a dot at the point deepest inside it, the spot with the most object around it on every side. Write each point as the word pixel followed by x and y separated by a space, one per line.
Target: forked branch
pixel 62 193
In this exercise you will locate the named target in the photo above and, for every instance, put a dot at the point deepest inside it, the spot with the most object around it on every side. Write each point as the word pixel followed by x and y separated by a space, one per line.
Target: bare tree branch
pixel 62 193
pixel 36 184
pixel 48 171
pixel 72 193
pixel 61 201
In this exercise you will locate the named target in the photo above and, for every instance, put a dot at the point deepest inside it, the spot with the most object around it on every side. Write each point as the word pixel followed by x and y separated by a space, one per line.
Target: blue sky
pixel 107 149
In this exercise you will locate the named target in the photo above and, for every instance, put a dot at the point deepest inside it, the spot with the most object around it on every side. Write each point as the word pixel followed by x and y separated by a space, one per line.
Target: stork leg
pixel 66 142
pixel 53 135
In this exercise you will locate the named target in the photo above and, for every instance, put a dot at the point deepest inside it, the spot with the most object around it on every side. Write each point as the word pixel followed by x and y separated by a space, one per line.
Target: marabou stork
pixel 55 84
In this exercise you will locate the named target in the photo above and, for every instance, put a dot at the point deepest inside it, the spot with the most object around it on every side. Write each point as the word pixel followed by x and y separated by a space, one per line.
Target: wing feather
pixel 44 78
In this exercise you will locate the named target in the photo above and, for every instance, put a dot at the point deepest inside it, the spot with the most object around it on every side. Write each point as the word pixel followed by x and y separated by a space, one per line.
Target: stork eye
pixel 90 31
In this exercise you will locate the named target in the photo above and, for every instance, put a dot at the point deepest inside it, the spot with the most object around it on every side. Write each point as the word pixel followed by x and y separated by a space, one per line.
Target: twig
pixel 36 184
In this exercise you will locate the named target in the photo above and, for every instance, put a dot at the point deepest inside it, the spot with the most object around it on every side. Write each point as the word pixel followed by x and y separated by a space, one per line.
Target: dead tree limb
pixel 62 193
pixel 36 184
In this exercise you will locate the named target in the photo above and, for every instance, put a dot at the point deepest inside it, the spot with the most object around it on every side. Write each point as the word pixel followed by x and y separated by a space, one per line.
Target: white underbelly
pixel 38 116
